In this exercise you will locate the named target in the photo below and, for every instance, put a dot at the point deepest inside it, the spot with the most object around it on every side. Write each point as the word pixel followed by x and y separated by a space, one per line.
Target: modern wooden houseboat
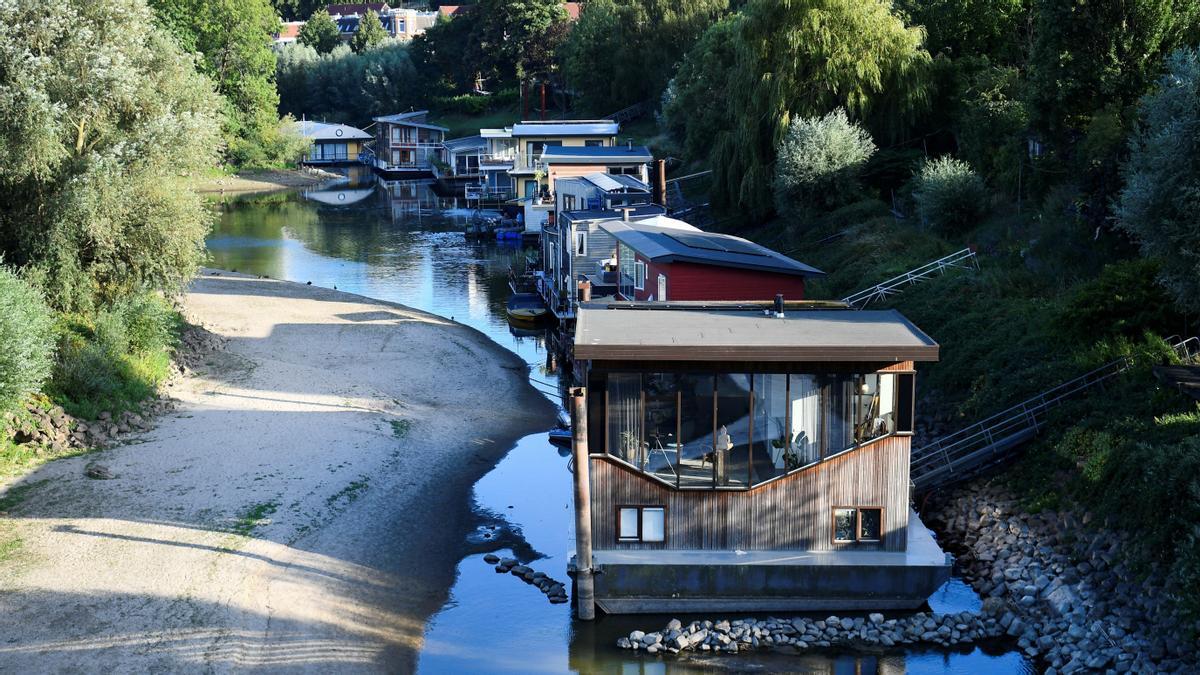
pixel 747 457
pixel 332 143
pixel 407 145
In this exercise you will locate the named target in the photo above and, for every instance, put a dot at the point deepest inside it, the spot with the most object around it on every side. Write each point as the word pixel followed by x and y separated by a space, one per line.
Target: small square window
pixel 843 525
pixel 869 525
pixel 627 524
pixel 861 524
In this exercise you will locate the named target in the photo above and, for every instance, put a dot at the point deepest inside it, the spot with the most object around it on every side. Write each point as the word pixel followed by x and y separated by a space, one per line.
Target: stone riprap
pixel 1079 605
pixel 555 591
pixel 873 631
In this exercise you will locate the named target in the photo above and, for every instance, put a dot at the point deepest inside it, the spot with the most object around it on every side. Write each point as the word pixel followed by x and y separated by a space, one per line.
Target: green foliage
pixel 1161 198
pixel 344 86
pixel 370 33
pixel 992 28
pixel 800 58
pixel 320 32
pixel 991 124
pixel 447 57
pixel 705 75
pixel 277 148
pixel 115 358
pixel 819 162
pixel 297 10
pixel 950 196
pixel 517 39
pixel 95 144
pixel 623 52
pixel 233 38
pixel 26 333
pixel 1125 300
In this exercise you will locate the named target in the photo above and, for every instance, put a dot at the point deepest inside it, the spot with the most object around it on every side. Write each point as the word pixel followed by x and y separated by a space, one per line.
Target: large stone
pixel 1062 600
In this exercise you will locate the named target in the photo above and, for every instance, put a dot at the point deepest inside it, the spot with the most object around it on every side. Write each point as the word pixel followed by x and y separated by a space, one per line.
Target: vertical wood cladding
pixel 791 513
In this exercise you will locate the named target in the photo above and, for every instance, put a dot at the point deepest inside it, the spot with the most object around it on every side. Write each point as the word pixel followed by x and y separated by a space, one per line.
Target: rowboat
pixel 525 307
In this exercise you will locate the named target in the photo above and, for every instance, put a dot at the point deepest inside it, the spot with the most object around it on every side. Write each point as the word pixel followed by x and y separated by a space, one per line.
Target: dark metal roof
pixel 638 211
pixel 613 332
pixel 608 183
pixel 566 154
pixel 667 245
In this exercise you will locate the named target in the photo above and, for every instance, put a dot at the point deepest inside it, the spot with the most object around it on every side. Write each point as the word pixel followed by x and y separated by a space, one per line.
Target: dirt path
pixel 303 510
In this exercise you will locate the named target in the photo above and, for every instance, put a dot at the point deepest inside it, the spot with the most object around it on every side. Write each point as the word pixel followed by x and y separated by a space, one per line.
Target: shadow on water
pixel 402 242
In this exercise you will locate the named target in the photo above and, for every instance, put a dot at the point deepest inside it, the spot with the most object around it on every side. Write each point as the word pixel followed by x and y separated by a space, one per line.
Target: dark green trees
pixel 320 32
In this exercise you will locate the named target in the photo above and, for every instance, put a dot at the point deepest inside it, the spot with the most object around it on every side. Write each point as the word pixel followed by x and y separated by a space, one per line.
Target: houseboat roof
pixel 324 131
pixel 506 132
pixel 468 143
pixel 559 154
pixel 415 118
pixel 355 8
pixel 668 244
pixel 608 183
pixel 678 332
pixel 635 211
pixel 567 128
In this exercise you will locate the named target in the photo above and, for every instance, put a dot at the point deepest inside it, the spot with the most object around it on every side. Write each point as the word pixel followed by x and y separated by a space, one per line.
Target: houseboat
pixel 407 145
pixel 747 457
pixel 618 160
pixel 495 164
pixel 332 143
pixel 528 174
pixel 574 249
pixel 462 161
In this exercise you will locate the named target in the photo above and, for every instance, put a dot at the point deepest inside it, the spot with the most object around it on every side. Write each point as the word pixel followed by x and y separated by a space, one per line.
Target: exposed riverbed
pixel 401 243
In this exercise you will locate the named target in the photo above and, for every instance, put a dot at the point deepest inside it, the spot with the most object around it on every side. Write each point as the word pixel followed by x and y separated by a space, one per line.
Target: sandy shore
pixel 302 511
pixel 265 181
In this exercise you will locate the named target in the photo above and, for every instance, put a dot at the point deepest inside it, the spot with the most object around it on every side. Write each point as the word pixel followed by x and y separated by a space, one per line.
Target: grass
pixel 400 428
pixel 461 125
pixel 349 494
pixel 10 542
pixel 253 517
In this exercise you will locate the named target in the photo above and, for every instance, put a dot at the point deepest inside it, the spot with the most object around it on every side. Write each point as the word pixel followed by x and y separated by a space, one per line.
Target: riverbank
pixel 1080 604
pixel 265 181
pixel 304 507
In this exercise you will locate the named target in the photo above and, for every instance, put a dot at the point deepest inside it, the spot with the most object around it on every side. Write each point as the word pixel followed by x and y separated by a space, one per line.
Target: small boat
pixel 526 307
pixel 560 438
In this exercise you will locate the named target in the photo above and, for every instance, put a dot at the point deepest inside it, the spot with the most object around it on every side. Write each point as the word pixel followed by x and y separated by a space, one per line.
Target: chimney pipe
pixel 585 291
pixel 625 214
pixel 779 305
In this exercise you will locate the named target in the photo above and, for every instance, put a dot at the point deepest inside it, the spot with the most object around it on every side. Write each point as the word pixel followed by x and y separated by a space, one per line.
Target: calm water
pixel 401 242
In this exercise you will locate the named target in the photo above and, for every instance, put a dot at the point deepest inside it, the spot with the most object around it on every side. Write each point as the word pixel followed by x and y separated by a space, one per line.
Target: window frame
pixel 640 270
pixel 641 509
pixel 580 243
pixel 857 524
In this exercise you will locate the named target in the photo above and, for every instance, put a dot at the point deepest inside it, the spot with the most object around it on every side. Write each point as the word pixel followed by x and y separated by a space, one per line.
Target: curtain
pixel 805 424
pixel 625 417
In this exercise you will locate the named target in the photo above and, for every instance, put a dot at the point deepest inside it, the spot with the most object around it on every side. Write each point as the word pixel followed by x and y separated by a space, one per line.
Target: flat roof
pixel 636 210
pixel 607 183
pixel 667 245
pixel 414 118
pixel 567 128
pixel 496 133
pixel 610 332
pixel 466 143
pixel 564 154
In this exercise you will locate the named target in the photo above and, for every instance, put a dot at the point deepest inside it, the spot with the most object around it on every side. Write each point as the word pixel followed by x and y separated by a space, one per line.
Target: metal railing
pixel 970 450
pixel 964 259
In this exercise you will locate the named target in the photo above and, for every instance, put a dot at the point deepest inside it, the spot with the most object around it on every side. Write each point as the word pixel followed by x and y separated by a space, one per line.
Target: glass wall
pixel 700 430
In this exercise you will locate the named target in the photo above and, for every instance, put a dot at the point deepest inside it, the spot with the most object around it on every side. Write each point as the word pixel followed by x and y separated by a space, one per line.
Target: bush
pixel 26 340
pixel 819 161
pixel 151 325
pixel 1126 299
pixel 950 196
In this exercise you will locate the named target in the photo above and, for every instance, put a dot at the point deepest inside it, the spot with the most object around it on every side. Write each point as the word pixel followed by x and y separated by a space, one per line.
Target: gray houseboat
pixel 736 457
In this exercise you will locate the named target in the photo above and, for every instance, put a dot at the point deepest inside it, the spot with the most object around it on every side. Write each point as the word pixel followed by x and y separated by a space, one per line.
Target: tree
pixel 297 10
pixel 819 161
pixel 803 58
pixel 509 33
pixel 705 75
pixel 950 196
pixel 370 33
pixel 621 52
pixel 233 38
pixel 102 119
pixel 320 32
pixel 1161 199
pixel 997 29
pixel 346 86
pixel 447 56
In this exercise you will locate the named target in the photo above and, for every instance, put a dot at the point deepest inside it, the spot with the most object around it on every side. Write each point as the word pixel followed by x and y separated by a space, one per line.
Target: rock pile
pixel 49 430
pixel 1077 604
pixel 196 343
pixel 556 591
pixel 803 633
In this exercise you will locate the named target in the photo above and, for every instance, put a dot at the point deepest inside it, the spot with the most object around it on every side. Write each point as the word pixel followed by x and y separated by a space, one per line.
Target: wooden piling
pixel 585 591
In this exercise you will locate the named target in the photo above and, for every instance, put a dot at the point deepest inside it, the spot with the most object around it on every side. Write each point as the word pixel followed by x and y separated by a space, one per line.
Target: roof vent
pixel 625 213
pixel 779 305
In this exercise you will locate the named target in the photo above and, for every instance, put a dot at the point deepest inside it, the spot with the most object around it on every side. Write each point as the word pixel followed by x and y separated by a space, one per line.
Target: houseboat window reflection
pixel 770 451
pixel 625 418
pixel 662 426
pixel 696 430
pixel 863 524
pixel 804 421
pixel 732 455
pixel 875 407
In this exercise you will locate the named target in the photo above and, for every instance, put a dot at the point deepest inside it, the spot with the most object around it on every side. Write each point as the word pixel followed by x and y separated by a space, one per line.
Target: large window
pixel 732 430
pixel 641 524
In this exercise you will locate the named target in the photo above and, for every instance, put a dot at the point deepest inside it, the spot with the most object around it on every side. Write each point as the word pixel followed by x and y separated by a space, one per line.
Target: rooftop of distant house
pixel 668 244
pixel 325 131
pixel 466 143
pixel 289 30
pixel 566 128
pixel 696 332
pixel 573 10
pixel 415 118
pixel 355 8
pixel 561 154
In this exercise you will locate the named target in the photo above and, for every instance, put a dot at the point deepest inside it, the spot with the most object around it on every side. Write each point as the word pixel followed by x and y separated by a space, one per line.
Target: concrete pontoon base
pixel 651 582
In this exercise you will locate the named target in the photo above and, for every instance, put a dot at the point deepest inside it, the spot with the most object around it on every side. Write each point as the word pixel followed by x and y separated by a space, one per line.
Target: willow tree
pixel 802 58
pixel 102 117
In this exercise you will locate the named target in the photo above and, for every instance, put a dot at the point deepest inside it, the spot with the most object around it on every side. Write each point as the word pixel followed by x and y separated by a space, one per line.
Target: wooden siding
pixel 693 281
pixel 791 513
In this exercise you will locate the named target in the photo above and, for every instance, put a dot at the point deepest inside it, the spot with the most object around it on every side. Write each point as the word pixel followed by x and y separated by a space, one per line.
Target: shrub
pixel 150 323
pixel 819 161
pixel 1126 299
pixel 950 196
pixel 26 340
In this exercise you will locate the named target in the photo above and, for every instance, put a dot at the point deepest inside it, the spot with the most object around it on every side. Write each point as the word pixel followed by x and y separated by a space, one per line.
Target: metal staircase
pixel 964 259
pixel 968 452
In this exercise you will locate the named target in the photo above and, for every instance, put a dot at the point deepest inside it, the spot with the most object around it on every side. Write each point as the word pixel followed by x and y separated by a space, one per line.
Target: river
pixel 402 243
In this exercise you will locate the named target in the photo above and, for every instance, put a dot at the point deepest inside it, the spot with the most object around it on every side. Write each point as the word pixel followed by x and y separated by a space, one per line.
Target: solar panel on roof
pixel 712 243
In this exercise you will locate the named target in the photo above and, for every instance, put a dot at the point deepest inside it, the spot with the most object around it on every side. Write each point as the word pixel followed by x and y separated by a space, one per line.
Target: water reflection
pixel 403 242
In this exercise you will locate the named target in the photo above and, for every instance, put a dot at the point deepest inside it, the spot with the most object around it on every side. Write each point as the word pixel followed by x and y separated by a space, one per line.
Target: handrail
pixel 959 259
pixel 964 452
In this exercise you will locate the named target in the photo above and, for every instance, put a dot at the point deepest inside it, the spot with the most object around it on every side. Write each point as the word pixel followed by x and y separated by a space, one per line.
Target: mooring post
pixel 585 590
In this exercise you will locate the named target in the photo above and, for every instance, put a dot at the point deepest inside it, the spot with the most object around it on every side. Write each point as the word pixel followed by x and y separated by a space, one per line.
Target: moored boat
pixel 526 307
